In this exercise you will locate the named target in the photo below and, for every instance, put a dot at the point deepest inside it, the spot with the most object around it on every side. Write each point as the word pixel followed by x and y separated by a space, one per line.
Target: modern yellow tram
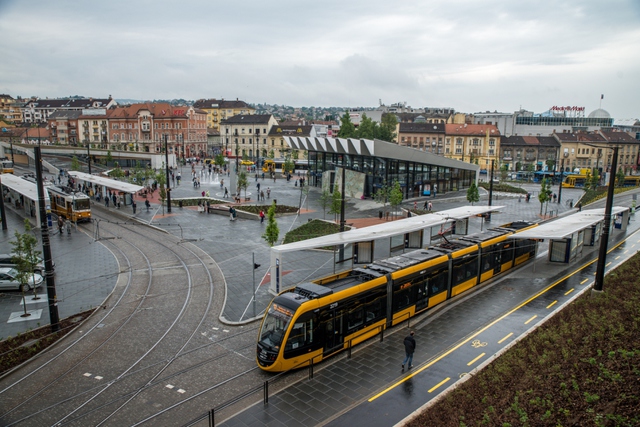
pixel 318 319
pixel 76 206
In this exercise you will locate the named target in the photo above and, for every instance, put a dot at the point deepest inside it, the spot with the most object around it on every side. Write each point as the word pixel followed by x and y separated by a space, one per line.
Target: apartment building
pixel 10 109
pixel 479 144
pixel 39 110
pixel 590 150
pixel 246 135
pixel 535 153
pixel 276 146
pixel 63 126
pixel 220 109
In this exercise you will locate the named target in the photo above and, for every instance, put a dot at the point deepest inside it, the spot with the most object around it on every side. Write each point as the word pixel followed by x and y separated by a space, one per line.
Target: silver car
pixel 6 260
pixel 8 280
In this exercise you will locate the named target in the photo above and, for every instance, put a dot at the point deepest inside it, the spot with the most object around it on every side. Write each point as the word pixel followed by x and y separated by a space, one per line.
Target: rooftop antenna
pixel 601 98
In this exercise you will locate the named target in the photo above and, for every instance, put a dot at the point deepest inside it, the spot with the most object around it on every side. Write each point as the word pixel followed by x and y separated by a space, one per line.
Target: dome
pixel 599 114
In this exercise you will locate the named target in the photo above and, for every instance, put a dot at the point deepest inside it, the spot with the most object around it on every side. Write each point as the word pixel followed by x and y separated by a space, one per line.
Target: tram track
pixel 103 397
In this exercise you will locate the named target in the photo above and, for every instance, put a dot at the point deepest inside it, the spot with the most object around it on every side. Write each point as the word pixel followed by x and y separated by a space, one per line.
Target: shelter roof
pixel 107 182
pixel 566 226
pixel 393 228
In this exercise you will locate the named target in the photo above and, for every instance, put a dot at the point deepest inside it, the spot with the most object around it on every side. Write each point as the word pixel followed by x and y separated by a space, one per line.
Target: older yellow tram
pixel 318 319
pixel 69 204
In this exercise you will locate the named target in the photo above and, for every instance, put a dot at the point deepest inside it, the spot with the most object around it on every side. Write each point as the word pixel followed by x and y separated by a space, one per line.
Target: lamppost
pixel 257 135
pixel 561 178
pixel 602 254
pixel 166 162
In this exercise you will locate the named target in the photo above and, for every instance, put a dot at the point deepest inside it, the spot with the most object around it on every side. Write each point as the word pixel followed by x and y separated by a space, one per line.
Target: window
pixel 492 142
pixel 458 141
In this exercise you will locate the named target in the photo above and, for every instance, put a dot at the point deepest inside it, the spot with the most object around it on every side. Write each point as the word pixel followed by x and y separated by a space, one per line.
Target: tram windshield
pixel 275 325
pixel 82 204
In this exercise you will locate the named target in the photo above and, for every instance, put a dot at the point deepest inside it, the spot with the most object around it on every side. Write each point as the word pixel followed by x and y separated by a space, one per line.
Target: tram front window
pixel 275 326
pixel 82 205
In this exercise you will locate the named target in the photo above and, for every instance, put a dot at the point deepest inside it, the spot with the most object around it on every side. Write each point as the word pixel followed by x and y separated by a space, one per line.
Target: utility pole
pixel 604 240
pixel 2 212
pixel 166 163
pixel 46 247
pixel 488 216
pixel 342 203
pixel 561 181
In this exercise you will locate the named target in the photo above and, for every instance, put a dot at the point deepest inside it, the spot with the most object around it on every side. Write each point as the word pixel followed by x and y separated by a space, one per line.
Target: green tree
pixel 347 129
pixel 243 182
pixel 620 178
pixel 594 180
pixel 219 160
pixel 271 154
pixel 116 172
pixel 272 232
pixel 473 195
pixel 75 164
pixel 382 196
pixel 336 204
pixel 545 194
pixel 109 158
pixel 395 196
pixel 504 171
pixel 325 202
pixel 367 128
pixel 388 127
pixel 25 256
pixel 161 179
pixel 288 166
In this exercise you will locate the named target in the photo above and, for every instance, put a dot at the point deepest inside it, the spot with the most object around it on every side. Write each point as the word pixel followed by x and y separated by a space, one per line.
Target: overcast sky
pixel 471 55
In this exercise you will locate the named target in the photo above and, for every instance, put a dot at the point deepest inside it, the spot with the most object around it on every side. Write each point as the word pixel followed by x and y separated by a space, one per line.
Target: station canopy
pixel 107 182
pixel 27 188
pixel 388 229
pixel 566 226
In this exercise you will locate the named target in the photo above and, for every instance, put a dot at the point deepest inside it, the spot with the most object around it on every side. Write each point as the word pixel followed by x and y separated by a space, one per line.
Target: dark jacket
pixel 409 344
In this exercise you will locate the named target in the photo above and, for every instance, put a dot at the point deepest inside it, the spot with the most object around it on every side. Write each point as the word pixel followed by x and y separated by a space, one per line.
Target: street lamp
pixel 166 161
pixel 257 135
pixel 561 178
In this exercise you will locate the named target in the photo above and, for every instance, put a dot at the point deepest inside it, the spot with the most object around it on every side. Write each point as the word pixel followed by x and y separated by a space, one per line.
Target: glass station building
pixel 369 164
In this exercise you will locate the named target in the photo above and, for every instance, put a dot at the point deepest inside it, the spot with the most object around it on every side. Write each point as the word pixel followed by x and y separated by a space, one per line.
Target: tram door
pixel 333 330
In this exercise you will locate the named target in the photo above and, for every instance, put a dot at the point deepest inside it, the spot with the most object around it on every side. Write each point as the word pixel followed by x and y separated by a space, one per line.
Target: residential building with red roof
pixel 479 144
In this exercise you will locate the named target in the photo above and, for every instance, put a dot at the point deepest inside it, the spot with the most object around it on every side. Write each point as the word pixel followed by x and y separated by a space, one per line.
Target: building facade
pixel 529 153
pixel 246 136
pixel 479 144
pixel 220 109
pixel 422 136
pixel 39 110
pixel 10 108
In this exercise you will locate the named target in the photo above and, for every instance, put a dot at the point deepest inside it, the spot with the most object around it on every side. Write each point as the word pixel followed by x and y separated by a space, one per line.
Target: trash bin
pixel 380 214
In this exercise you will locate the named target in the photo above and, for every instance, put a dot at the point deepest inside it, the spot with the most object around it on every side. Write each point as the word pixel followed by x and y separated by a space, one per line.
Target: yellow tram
pixel 76 206
pixel 6 166
pixel 320 318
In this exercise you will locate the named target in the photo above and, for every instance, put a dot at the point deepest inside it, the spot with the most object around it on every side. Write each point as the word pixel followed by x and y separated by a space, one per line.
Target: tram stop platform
pixel 453 340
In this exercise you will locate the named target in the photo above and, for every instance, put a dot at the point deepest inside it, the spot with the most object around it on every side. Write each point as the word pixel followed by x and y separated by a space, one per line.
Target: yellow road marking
pixel 439 384
pixel 625 251
pixel 476 359
pixel 617 257
pixel 513 310
pixel 508 335
pixel 608 264
pixel 585 280
pixel 532 317
pixel 552 304
pixel 569 291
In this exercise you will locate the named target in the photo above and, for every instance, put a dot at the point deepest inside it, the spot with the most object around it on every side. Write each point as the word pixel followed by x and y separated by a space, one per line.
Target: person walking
pixel 133 206
pixel 60 224
pixel 261 217
pixel 226 192
pixel 147 204
pixel 268 192
pixel 409 349
pixel 430 206
pixel 262 195
pixel 67 225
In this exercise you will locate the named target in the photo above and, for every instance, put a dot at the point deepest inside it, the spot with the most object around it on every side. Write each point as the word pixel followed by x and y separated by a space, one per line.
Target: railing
pixel 210 415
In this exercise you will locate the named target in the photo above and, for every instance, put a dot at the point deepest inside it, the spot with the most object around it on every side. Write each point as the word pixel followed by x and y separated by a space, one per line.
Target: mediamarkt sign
pixel 574 108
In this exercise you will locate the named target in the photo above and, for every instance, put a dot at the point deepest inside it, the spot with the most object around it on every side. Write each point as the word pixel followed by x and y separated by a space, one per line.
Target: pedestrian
pixel 114 199
pixel 67 225
pixel 263 176
pixel 258 186
pixel 262 195
pixel 430 207
pixel 179 178
pixel 409 348
pixel 261 216
pixel 256 177
pixel 60 224
pixel 134 206
pixel 106 202
pixel 203 193
pixel 425 206
pixel 415 205
pixel 226 192
pixel 555 196
pixel 207 193
pixel 208 206
pixel 147 204
pixel 268 192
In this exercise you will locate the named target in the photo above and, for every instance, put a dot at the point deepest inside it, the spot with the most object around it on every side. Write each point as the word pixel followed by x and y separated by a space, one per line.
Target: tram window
pixel 302 332
pixel 355 315
pixel 524 247
pixel 401 297
pixel 375 305
pixel 464 269
pixel 488 260
pixel 438 281
pixel 507 253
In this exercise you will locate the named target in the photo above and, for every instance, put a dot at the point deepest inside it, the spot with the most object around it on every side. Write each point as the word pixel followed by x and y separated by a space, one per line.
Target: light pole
pixel 602 254
pixel 166 161
pixel 488 216
pixel 257 135
pixel 561 179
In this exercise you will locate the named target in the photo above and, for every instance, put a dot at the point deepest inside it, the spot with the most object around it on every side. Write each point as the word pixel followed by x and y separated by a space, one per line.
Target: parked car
pixel 8 280
pixel 6 260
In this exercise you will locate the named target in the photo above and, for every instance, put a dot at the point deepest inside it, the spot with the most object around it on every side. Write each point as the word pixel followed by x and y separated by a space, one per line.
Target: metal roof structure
pixel 566 226
pixel 374 148
pixel 107 182
pixel 392 228
pixel 26 188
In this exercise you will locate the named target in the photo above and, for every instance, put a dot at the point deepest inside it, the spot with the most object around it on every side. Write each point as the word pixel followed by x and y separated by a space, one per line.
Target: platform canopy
pixel 22 186
pixel 566 226
pixel 388 229
pixel 107 182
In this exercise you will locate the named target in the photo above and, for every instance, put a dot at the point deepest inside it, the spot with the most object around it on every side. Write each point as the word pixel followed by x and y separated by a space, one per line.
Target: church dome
pixel 599 114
